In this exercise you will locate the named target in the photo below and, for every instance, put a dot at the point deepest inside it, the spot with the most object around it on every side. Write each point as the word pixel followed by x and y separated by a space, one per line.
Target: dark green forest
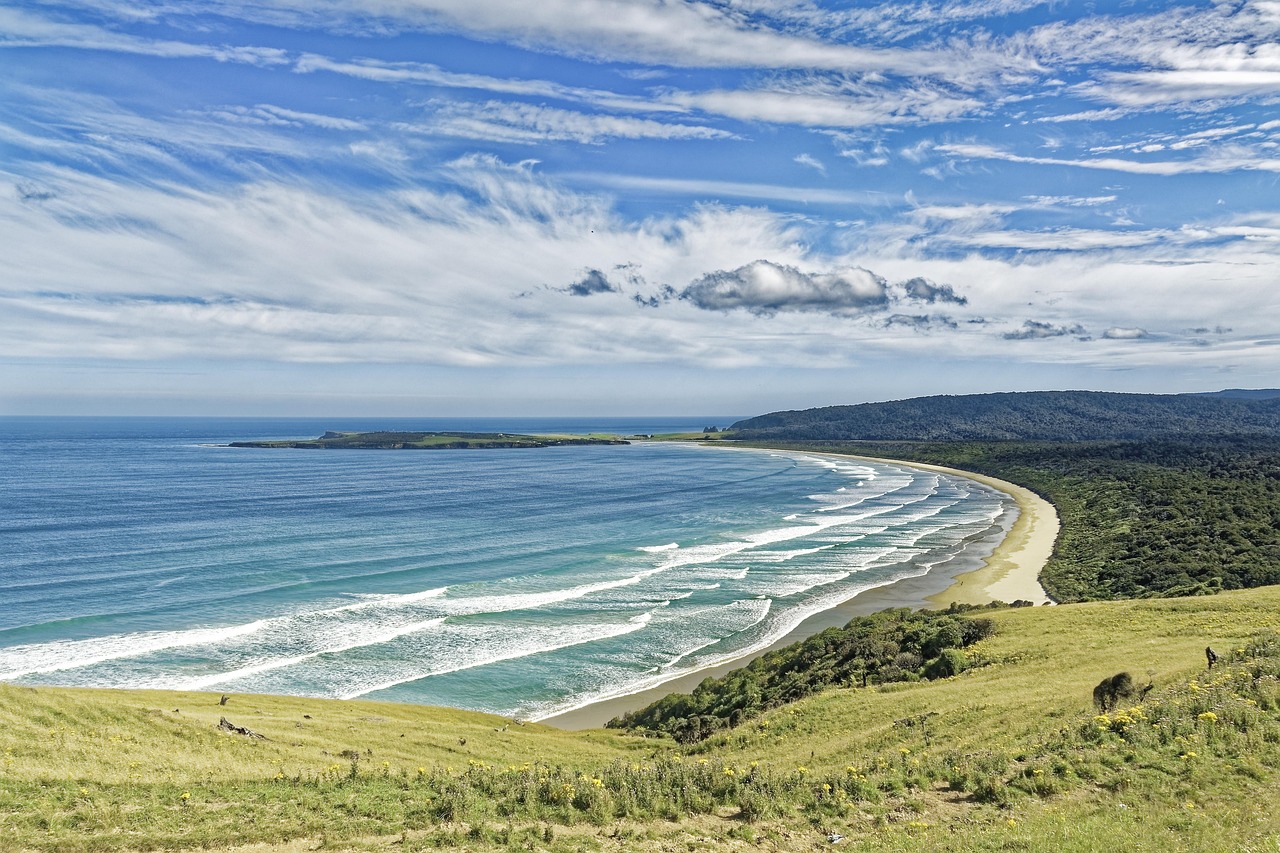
pixel 1139 518
pixel 1033 415
pixel 889 646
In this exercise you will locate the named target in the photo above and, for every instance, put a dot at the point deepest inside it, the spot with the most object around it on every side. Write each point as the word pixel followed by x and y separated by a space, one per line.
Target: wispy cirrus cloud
pixel 268 114
pixel 811 162
pixel 833 104
pixel 21 29
pixel 94 131
pixel 426 74
pixel 649 32
pixel 1070 200
pixel 1178 56
pixel 706 188
pixel 508 121
pixel 1182 86
pixel 1224 159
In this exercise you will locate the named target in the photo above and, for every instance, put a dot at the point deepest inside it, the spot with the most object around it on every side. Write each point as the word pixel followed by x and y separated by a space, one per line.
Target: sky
pixel 631 207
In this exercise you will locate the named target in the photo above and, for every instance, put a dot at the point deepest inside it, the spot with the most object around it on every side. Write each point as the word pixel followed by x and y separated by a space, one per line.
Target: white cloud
pixel 1147 88
pixel 1070 200
pixel 20 29
pixel 809 161
pixel 1058 239
pixel 97 132
pixel 1109 114
pixel 712 189
pixel 1174 57
pixel 1034 330
pixel 1225 159
pixel 764 287
pixel 267 114
pixel 499 121
pixel 432 75
pixel 1118 333
pixel 686 34
pixel 823 105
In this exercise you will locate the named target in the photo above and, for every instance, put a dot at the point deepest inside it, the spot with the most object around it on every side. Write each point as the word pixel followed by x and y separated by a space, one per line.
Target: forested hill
pixel 1031 415
pixel 1245 393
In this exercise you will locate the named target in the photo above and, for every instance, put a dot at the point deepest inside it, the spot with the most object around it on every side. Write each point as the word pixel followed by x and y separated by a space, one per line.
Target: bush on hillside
pixel 885 647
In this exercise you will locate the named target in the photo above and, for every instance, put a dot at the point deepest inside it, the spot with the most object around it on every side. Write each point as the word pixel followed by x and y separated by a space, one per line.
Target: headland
pixel 429 441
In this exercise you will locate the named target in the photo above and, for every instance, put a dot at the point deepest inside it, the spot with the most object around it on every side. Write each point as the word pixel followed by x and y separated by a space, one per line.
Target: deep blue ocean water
pixel 134 552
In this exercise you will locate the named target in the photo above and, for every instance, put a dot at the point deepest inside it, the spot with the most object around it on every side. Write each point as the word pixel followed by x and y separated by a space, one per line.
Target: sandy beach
pixel 1010 573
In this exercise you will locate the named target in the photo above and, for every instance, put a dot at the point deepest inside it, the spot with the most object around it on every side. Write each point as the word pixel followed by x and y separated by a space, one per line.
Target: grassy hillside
pixel 1007 755
pixel 1031 416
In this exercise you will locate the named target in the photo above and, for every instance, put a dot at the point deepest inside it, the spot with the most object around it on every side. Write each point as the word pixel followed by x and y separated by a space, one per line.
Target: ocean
pixel 136 552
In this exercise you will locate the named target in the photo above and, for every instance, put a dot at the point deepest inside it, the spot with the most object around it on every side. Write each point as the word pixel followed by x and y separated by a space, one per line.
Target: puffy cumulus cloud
pixel 921 322
pixel 1121 333
pixel 764 287
pixel 1033 330
pixel 591 283
pixel 653 300
pixel 926 291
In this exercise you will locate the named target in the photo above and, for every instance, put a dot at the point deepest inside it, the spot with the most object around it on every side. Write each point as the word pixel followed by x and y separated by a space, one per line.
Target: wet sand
pixel 1009 574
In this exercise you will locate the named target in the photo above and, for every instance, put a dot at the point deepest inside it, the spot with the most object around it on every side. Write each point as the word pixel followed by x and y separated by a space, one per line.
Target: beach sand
pixel 1010 574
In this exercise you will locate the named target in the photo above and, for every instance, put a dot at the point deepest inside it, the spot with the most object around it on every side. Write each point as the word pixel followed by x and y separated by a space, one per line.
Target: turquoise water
pixel 523 582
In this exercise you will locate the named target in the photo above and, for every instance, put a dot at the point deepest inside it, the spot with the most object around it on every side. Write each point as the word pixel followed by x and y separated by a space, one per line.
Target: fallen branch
pixel 227 726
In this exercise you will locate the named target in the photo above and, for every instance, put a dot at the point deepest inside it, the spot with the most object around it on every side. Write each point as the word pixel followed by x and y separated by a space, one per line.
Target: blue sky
pixel 488 207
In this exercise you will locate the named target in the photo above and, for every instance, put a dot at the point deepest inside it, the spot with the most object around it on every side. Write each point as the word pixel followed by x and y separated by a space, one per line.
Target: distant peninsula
pixel 429 441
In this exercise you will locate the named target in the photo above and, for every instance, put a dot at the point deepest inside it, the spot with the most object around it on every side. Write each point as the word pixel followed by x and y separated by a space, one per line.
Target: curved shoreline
pixel 1010 573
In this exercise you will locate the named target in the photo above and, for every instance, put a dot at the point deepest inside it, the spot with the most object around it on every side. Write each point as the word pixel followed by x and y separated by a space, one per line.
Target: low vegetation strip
pixel 427 441
pixel 1139 518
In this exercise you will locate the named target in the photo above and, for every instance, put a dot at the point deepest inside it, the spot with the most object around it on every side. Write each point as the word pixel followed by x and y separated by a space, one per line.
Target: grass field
pixel 1008 756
